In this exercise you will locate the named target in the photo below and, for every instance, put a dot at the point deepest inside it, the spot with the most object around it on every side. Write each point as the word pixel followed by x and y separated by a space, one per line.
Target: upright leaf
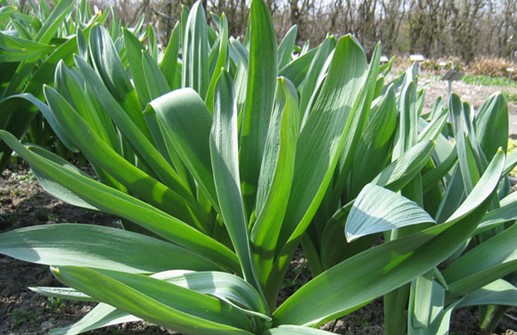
pixel 225 163
pixel 195 51
pixel 262 72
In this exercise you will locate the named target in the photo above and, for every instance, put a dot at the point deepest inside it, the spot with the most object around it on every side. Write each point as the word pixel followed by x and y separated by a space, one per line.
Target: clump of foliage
pixel 491 67
pixel 223 157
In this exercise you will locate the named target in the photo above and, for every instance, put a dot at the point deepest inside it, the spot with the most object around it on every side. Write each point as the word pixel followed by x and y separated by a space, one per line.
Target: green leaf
pixel 224 153
pixel 426 301
pixel 98 247
pixel 311 82
pixel 296 71
pixel 467 164
pixel 186 122
pixel 507 212
pixel 156 83
pixel 276 176
pixel 61 293
pixel 54 21
pixel 169 61
pixel 285 49
pixel 487 262
pixel 114 202
pixel 320 144
pixel 227 287
pixel 132 133
pixel 373 150
pixel 400 172
pixel 102 315
pixel 492 175
pixel 321 140
pixel 159 302
pixel 137 181
pixel 222 60
pixel 195 51
pixel 491 124
pixel 15 49
pixel 108 65
pixel 262 73
pixel 377 210
pixel 375 272
pixel 498 292
pixel 134 51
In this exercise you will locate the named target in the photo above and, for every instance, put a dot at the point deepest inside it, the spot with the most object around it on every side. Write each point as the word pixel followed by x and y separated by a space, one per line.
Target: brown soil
pixel 24 203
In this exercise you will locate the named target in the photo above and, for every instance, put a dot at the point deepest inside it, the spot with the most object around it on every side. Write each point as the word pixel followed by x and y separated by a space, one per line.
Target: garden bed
pixel 24 203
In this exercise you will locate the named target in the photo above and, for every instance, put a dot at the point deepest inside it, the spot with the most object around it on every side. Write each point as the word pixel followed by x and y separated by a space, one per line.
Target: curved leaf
pixel 157 301
pixel 98 247
pixel 377 210
pixel 224 153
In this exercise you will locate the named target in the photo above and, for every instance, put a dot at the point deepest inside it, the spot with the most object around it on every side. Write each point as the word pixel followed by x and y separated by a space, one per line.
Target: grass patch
pixel 489 81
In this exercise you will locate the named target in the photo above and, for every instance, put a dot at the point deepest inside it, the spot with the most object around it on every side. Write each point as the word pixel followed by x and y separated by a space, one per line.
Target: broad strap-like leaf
pixel 286 47
pixel 467 164
pixel 98 247
pixel 377 271
pixel 137 181
pixel 401 171
pixel 185 122
pixel 108 65
pixel 491 175
pixel 224 153
pixel 321 140
pixel 100 316
pixel 320 144
pixel 61 293
pixel 491 125
pixel 373 150
pixel 490 260
pixel 169 62
pixel 114 202
pixel 507 212
pixel 310 85
pixel 225 286
pixel 262 73
pixel 195 51
pixel 498 292
pixel 377 210
pixel 222 60
pixel 155 300
pixel 276 176
pixel 134 49
pixel 132 133
pixel 296 71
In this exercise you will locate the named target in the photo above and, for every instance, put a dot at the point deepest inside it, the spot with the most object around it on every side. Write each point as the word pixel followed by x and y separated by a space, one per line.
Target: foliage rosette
pixel 223 157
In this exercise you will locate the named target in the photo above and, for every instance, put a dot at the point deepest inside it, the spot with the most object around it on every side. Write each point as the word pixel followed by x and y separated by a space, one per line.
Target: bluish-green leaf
pixel 97 247
pixel 377 210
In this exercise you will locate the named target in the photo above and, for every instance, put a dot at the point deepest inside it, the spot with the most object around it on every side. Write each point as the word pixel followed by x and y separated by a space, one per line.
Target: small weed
pixel 54 305
pixel 27 178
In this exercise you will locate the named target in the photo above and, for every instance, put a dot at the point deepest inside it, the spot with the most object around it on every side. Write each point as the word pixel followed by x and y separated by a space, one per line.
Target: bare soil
pixel 24 203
